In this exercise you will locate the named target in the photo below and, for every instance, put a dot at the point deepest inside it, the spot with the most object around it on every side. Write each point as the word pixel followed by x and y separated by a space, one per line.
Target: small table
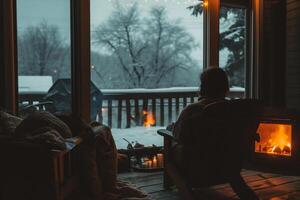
pixel 137 154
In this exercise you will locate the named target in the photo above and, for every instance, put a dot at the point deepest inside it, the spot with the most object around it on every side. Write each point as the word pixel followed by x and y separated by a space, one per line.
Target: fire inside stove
pixel 275 139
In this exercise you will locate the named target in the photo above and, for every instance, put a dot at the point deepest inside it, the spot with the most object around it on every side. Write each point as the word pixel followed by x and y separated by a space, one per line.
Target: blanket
pixel 102 161
pixel 99 156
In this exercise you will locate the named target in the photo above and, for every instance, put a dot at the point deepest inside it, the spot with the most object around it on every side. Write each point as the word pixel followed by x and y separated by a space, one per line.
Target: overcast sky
pixel 57 12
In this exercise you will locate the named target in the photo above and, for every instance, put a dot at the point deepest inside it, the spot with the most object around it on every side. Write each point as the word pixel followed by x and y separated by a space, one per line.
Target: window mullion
pixel 212 33
pixel 80 17
pixel 8 61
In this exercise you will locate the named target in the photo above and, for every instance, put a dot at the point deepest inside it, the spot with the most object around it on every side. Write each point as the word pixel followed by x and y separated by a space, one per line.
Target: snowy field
pixel 144 135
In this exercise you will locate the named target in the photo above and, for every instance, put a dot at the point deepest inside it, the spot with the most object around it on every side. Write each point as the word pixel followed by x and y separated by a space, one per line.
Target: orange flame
pixel 274 139
pixel 148 119
pixel 205 4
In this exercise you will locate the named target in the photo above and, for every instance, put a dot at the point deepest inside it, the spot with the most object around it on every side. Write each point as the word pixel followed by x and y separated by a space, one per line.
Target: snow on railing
pixel 124 108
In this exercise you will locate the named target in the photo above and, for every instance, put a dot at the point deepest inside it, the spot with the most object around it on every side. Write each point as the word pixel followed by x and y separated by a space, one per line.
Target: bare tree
pixel 42 51
pixel 148 50
pixel 170 47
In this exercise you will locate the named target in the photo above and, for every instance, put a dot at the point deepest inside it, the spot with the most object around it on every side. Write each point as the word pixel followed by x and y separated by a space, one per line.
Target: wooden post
pixel 128 113
pixel 184 102
pixel 257 21
pixel 8 56
pixel 145 105
pixel 137 112
pixel 119 113
pixel 162 112
pixel 177 106
pixel 109 107
pixel 192 99
pixel 211 35
pixel 154 110
pixel 100 113
pixel 170 106
pixel 81 66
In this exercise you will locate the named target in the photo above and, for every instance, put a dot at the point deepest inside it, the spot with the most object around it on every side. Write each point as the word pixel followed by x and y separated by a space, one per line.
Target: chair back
pixel 224 134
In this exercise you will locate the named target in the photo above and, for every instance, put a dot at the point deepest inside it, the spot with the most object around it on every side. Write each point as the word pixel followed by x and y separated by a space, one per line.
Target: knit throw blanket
pixel 99 154
pixel 101 170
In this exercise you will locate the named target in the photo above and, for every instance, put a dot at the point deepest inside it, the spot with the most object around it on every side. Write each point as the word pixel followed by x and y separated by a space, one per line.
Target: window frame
pixel 80 48
pixel 247 5
pixel 8 57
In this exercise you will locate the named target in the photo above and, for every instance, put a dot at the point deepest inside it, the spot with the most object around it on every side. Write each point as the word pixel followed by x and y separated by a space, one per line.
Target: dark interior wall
pixel 1 54
pixel 293 54
pixel 272 65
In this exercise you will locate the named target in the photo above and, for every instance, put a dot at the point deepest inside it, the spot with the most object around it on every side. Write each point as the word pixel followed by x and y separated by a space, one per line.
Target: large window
pixel 145 56
pixel 145 44
pixel 43 33
pixel 233 46
pixel 143 51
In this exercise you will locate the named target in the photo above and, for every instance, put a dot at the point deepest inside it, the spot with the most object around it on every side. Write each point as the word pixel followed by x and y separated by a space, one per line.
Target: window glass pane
pixel 233 47
pixel 142 50
pixel 44 54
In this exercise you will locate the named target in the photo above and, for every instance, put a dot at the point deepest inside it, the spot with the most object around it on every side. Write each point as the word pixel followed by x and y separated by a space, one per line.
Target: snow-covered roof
pixel 34 84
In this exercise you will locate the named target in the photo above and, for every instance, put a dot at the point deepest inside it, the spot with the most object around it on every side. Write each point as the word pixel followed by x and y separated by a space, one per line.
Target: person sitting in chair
pixel 213 88
pixel 199 151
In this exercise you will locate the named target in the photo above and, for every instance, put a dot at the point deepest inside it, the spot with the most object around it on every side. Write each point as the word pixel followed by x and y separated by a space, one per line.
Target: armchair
pixel 221 138
pixel 33 171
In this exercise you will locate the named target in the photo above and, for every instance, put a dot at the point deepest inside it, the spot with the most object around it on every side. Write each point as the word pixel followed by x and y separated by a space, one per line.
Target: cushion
pixel 41 119
pixel 8 123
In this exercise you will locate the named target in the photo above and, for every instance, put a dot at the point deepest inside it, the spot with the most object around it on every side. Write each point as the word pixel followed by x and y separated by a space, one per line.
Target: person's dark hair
pixel 214 83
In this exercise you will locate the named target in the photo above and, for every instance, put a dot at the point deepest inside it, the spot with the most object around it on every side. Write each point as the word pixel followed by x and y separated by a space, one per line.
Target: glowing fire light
pixel 148 119
pixel 205 4
pixel 274 139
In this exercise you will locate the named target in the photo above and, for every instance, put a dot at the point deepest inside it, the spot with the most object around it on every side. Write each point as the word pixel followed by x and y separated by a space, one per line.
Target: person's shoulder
pixel 194 107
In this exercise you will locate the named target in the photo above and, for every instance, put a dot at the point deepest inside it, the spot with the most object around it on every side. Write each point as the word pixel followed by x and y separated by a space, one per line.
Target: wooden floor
pixel 266 185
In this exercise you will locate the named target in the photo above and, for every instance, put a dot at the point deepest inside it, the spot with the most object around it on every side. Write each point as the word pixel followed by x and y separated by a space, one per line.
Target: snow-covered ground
pixel 143 135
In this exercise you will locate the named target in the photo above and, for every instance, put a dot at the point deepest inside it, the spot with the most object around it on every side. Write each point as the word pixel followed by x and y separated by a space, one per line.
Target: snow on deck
pixel 144 135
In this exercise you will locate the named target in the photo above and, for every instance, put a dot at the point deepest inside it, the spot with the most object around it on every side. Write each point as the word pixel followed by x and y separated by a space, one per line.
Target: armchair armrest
pixel 166 133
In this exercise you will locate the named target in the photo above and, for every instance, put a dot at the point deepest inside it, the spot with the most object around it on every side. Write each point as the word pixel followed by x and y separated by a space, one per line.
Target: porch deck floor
pixel 268 186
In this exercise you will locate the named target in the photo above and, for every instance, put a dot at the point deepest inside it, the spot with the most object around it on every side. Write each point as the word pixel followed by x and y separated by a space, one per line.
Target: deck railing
pixel 127 108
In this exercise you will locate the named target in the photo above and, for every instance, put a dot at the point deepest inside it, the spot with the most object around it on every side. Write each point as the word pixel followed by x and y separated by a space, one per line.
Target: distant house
pixel 60 94
pixel 34 84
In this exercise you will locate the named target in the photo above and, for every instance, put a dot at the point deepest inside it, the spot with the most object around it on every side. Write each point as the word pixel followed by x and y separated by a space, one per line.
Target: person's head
pixel 214 83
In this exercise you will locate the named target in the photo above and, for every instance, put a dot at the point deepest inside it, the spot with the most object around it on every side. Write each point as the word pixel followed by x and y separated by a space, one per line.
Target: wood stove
pixel 278 149
pixel 275 137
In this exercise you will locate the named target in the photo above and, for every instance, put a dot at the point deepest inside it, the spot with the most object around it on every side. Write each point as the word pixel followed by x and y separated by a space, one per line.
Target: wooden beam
pixel 81 69
pixel 211 23
pixel 257 18
pixel 8 56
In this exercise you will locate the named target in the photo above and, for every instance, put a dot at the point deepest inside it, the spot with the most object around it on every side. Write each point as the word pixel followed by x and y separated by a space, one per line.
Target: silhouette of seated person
pixel 194 152
pixel 213 88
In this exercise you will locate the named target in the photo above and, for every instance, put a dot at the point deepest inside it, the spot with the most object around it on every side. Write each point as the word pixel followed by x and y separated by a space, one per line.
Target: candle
pixel 154 162
pixel 150 163
pixel 160 159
